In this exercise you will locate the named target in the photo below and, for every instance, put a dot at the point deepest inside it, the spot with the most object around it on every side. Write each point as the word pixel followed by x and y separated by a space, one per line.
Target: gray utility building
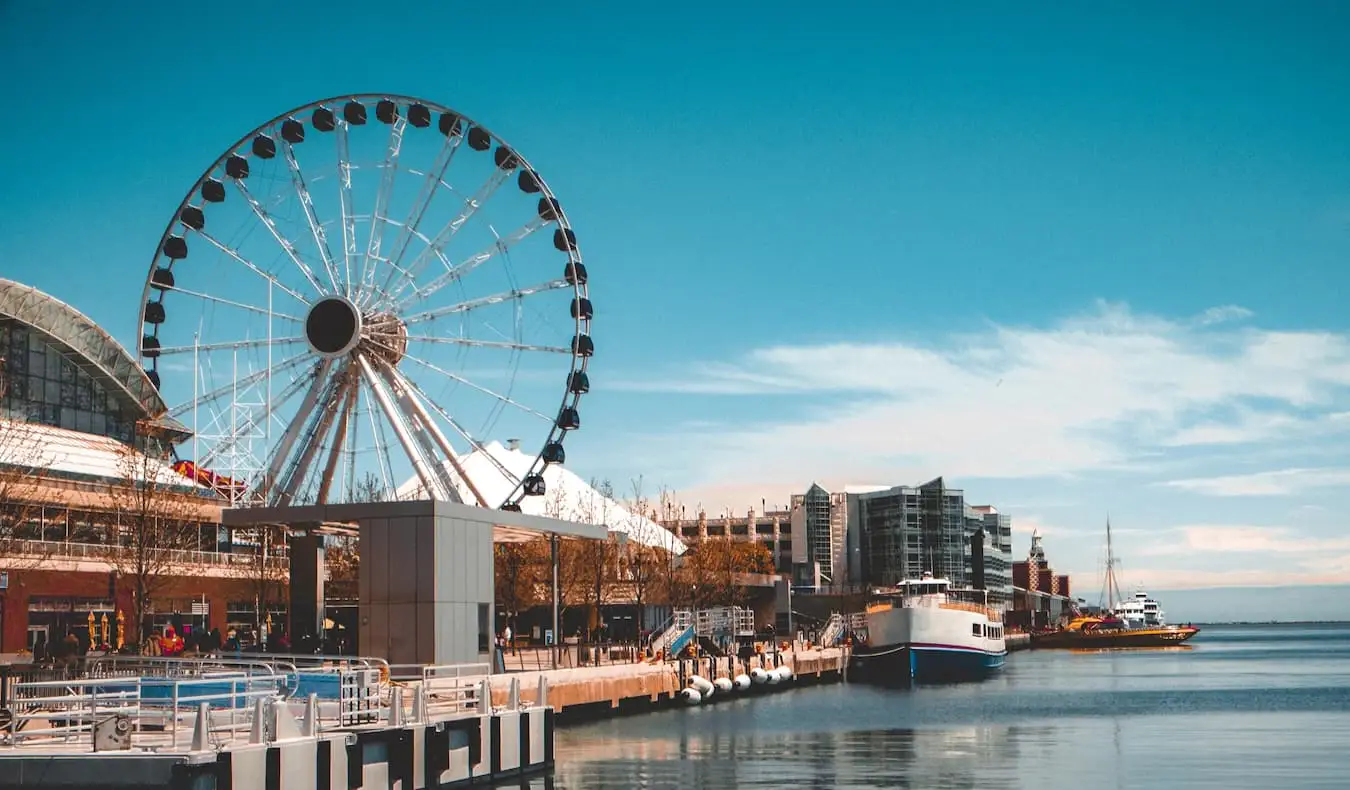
pixel 426 572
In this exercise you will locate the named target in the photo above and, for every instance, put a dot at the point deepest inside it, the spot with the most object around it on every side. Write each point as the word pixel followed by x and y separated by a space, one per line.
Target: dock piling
pixel 201 729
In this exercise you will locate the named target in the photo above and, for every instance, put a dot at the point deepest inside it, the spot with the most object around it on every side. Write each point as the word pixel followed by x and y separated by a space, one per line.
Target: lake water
pixel 1242 707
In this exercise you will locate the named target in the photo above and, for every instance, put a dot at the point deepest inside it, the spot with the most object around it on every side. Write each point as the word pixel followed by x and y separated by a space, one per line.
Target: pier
pixel 605 690
pixel 274 724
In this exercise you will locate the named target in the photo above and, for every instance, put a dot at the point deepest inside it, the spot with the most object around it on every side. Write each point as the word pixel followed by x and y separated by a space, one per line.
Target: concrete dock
pixel 211 724
pixel 637 686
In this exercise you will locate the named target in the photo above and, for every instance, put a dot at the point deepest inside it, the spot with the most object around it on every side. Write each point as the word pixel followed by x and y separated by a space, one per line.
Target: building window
pixel 484 632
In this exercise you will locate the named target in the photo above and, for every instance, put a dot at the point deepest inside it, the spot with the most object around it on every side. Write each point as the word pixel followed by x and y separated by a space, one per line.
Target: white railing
pixel 154 709
pixel 201 704
pixel 98 552
pixel 833 631
pixel 745 621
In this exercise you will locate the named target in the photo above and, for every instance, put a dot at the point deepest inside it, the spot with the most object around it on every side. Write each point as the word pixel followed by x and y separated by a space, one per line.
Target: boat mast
pixel 1112 588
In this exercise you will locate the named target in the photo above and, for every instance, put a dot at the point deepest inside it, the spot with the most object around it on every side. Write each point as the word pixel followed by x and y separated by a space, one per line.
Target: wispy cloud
pixel 1223 314
pixel 1281 482
pixel 1214 538
pixel 1098 391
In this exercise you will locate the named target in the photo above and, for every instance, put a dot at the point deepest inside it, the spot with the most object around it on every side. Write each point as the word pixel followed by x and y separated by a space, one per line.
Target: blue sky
pixel 1079 262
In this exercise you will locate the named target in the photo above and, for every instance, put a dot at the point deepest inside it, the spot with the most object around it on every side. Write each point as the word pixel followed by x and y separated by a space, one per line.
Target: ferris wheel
pixel 357 296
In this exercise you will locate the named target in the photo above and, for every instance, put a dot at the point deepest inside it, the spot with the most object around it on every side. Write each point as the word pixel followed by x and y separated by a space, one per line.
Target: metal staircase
pixel 681 631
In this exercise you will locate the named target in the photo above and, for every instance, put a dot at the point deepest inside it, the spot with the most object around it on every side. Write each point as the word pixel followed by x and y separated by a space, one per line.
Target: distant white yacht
pixel 1140 611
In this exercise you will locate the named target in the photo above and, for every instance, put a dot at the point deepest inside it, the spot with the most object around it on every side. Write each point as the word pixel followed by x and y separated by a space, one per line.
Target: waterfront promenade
pixel 638 685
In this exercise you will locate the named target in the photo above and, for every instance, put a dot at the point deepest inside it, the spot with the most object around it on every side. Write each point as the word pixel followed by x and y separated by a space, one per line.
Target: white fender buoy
pixel 723 685
pixel 758 675
pixel 691 696
pixel 701 683
pixel 785 672
pixel 742 682
pixel 774 677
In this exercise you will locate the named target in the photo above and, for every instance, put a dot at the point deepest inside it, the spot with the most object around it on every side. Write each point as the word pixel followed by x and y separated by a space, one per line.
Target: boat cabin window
pixel 977 629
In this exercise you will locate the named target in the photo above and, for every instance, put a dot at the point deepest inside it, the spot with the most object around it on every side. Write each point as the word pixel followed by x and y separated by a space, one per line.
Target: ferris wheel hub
pixel 386 336
pixel 333 326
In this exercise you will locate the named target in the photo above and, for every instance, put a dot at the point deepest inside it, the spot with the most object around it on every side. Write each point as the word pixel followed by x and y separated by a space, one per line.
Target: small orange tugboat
pixel 1097 632
pixel 1134 622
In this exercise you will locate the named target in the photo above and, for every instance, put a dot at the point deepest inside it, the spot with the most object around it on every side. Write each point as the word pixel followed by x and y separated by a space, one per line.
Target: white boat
pixel 925 629
pixel 1140 611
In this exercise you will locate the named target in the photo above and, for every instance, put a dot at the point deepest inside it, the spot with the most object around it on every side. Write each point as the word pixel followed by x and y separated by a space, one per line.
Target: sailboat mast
pixel 1112 588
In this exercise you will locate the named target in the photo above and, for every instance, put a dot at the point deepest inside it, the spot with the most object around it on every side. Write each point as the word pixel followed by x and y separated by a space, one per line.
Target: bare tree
pixel 155 517
pixel 670 513
pixel 519 570
pixel 24 464
pixel 642 564
pixel 342 556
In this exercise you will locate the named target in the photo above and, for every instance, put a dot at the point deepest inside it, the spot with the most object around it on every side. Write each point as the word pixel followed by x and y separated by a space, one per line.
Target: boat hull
pixel 907 664
pixel 927 644
pixel 1142 637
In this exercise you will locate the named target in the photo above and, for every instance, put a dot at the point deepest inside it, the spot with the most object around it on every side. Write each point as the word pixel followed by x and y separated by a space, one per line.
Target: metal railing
pixel 99 552
pixel 154 709
pixel 833 631
pixel 571 655
pixel 201 704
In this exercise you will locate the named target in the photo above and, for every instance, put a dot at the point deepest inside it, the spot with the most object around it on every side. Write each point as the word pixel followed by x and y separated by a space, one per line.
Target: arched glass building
pixel 59 368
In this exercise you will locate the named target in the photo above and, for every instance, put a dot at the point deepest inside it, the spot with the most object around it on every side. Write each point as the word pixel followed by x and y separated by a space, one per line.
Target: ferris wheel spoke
pixel 491 393
pixel 232 303
pixel 236 345
pixel 383 458
pixel 307 203
pixel 484 301
pixel 459 429
pixel 378 220
pixel 407 393
pixel 346 408
pixel 464 341
pixel 319 424
pixel 247 381
pixel 287 245
pixel 319 381
pixel 441 239
pixel 345 201
pixel 415 442
pixel 237 256
pixel 456 272
pixel 435 176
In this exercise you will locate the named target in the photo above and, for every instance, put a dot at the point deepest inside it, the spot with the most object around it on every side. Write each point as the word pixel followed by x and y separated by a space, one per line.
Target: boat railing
pixel 935 602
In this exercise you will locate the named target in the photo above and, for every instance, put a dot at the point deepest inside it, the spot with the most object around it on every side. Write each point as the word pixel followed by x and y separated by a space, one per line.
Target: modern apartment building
pixel 909 530
pixel 821 539
pixel 989 560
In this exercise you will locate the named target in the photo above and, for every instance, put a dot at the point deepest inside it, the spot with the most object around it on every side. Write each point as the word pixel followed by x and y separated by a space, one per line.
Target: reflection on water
pixel 1242 707
pixel 892 758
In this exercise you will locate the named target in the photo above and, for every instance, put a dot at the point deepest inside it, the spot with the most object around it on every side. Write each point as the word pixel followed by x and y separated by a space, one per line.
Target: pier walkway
pixel 273 724
pixel 640 683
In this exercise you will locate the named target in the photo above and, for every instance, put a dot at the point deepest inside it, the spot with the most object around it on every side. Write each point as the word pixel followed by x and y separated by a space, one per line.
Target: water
pixel 1243 707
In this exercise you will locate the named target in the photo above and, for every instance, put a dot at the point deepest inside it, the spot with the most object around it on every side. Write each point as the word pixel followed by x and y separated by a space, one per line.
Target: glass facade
pixel 40 382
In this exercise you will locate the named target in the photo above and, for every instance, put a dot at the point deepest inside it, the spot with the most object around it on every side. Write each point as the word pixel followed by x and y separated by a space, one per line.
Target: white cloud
pixel 1098 391
pixel 1223 314
pixel 1214 538
pixel 1281 482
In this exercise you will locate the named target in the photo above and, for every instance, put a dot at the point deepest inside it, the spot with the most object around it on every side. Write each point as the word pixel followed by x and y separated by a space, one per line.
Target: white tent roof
pixel 568 496
pixel 80 455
